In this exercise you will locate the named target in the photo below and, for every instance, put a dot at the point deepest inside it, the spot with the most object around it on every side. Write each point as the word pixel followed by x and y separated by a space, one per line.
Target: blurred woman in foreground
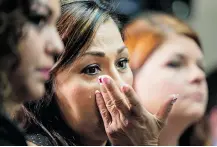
pixel 29 41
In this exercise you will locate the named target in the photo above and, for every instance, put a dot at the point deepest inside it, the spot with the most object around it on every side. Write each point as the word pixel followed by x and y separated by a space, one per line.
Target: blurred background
pixel 200 14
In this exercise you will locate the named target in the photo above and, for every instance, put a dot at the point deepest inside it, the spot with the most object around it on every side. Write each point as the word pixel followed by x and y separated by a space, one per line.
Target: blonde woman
pixel 166 57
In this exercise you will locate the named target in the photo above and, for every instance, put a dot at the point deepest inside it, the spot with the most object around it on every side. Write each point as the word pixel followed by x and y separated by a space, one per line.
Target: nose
pixel 197 75
pixel 116 76
pixel 54 43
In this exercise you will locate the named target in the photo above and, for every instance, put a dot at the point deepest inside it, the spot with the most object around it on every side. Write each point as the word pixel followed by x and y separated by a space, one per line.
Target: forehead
pixel 53 5
pixel 107 37
pixel 181 44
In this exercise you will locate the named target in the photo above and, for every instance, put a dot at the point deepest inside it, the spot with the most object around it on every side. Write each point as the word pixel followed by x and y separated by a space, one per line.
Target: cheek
pixel 82 94
pixel 77 101
pixel 170 84
pixel 78 94
pixel 154 87
pixel 31 49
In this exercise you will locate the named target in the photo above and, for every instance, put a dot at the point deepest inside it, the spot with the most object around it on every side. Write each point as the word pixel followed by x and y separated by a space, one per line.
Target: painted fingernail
pixel 175 97
pixel 100 80
pixel 125 88
pixel 106 80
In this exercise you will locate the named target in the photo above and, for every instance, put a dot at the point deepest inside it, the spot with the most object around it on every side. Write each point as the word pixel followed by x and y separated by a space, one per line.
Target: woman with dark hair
pixel 29 41
pixel 89 99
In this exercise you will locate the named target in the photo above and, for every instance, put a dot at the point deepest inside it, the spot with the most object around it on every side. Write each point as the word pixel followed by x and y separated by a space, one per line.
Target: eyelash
pixel 95 67
pixel 87 69
pixel 174 64
pixel 122 60
pixel 38 20
pixel 178 64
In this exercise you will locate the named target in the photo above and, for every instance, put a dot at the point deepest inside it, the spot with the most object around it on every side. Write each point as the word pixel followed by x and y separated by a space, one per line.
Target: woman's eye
pixel 91 69
pixel 174 64
pixel 122 63
pixel 38 20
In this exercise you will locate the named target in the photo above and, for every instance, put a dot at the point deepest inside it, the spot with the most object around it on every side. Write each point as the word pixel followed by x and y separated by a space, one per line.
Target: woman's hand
pixel 126 121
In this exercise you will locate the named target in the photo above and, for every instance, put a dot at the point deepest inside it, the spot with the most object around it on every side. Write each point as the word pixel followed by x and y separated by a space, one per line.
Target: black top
pixel 10 135
pixel 43 140
pixel 39 140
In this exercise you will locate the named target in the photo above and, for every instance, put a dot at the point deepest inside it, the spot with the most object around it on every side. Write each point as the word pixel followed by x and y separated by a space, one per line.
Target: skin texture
pixel 174 67
pixel 87 104
pixel 37 49
pixel 126 121
pixel 71 83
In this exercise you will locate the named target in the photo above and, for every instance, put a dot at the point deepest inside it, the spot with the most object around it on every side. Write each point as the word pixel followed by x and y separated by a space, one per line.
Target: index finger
pixel 132 99
pixel 113 93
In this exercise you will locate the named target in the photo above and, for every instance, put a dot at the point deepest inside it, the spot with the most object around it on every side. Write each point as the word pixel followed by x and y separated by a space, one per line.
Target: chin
pixel 37 92
pixel 197 114
pixel 190 113
pixel 194 114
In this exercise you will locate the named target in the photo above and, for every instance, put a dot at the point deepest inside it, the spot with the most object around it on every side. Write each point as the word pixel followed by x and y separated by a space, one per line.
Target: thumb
pixel 166 107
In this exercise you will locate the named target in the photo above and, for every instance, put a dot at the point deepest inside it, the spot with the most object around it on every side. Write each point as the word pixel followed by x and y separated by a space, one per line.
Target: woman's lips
pixel 45 72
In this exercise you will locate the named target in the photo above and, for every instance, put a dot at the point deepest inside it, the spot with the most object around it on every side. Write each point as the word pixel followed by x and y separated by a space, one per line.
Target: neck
pixel 172 131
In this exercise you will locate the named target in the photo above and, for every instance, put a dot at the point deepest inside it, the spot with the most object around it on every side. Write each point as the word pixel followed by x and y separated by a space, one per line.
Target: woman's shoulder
pixel 10 134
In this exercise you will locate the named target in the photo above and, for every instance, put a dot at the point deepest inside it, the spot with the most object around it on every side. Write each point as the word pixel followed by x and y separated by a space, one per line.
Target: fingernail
pixel 125 88
pixel 100 80
pixel 97 93
pixel 175 97
pixel 174 100
pixel 106 80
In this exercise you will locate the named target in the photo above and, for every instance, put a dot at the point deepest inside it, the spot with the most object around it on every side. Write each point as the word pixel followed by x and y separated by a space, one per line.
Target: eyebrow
pixel 179 55
pixel 183 57
pixel 47 10
pixel 102 54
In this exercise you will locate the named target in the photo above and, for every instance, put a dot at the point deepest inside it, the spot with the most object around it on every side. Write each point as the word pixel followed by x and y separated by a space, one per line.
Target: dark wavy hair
pixel 14 15
pixel 77 26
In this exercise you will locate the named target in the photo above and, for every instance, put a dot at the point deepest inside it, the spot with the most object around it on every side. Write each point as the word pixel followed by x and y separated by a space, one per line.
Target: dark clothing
pixel 42 140
pixel 10 135
pixel 39 140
